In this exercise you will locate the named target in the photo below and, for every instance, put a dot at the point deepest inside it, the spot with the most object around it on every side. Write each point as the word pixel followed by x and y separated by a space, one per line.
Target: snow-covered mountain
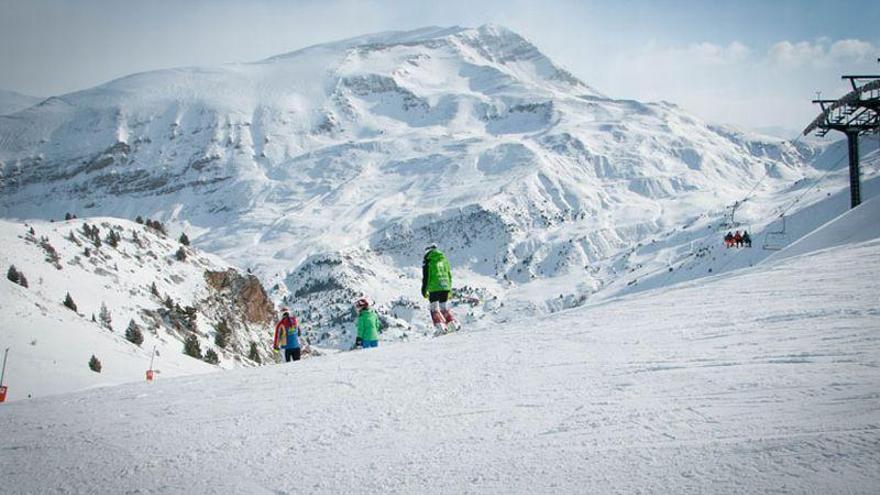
pixel 119 274
pixel 326 170
pixel 760 381
pixel 11 102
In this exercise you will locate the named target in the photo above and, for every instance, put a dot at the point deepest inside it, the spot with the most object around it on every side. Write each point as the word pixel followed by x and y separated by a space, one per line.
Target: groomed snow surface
pixel 761 381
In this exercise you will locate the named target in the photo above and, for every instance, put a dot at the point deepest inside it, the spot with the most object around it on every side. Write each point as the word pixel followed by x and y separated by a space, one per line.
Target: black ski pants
pixel 292 354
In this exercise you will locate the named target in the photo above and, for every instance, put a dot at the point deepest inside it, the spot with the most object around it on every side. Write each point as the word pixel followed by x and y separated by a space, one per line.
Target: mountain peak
pixel 489 45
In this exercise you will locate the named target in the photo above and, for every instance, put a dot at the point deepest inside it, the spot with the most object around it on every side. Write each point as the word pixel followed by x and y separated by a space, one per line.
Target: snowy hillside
pixel 141 280
pixel 326 170
pixel 11 102
pixel 760 381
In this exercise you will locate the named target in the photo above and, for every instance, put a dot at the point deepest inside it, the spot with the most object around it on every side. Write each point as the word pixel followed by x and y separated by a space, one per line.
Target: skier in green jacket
pixel 367 325
pixel 437 287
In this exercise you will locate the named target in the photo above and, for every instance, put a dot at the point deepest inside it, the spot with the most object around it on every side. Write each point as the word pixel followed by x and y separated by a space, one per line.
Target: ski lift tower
pixel 856 113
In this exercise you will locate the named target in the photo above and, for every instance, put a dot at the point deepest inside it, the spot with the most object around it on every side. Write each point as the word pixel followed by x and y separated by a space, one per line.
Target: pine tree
pixel 139 219
pixel 67 216
pixel 180 254
pixel 190 316
pixel 52 255
pixel 13 275
pixel 95 364
pixel 71 236
pixel 106 319
pixel 169 303
pixel 184 239
pixel 154 290
pixel 191 346
pixel 254 354
pixel 211 357
pixel 133 333
pixel 112 238
pixel 223 332
pixel 68 301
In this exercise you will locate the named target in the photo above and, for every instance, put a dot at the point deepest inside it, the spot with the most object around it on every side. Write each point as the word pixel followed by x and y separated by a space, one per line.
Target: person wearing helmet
pixel 437 287
pixel 367 325
pixel 287 336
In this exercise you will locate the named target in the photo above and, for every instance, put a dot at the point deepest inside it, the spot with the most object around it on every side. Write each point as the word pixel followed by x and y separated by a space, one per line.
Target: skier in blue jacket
pixel 287 336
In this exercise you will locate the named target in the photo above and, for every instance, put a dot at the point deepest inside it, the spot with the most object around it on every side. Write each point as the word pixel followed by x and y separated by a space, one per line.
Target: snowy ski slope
pixel 50 345
pixel 761 380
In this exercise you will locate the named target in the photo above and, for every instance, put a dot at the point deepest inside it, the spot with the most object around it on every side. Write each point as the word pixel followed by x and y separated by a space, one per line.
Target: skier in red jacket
pixel 287 336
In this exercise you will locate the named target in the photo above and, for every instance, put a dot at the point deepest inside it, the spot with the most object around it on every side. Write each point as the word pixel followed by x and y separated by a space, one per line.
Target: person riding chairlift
pixel 728 240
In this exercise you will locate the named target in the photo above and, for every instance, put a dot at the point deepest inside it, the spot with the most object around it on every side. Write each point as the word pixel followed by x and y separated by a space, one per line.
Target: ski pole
pixel 152 356
pixel 3 373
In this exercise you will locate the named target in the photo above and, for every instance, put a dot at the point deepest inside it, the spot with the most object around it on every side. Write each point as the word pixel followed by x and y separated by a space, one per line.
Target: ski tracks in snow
pixel 766 381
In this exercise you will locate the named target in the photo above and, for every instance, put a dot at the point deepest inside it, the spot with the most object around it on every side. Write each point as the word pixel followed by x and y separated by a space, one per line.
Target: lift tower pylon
pixel 855 114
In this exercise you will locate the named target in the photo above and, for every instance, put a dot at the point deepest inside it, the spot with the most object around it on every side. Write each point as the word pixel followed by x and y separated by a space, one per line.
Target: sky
pixel 754 64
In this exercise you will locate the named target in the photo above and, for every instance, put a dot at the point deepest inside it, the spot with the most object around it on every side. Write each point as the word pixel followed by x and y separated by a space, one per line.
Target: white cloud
pixel 712 54
pixel 852 50
pixel 791 54
pixel 820 54
pixel 734 83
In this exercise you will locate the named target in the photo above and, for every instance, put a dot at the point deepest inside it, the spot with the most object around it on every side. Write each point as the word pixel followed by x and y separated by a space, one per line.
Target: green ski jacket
pixel 436 273
pixel 368 325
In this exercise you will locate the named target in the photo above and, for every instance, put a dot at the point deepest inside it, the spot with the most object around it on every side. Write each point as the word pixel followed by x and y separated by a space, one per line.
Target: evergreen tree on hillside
pixel 52 255
pixel 139 219
pixel 154 290
pixel 13 275
pixel 112 238
pixel 157 226
pixel 106 319
pixel 184 239
pixel 72 238
pixel 211 357
pixel 16 276
pixel 190 316
pixel 95 364
pixel 254 354
pixel 134 334
pixel 68 301
pixel 223 332
pixel 180 254
pixel 191 346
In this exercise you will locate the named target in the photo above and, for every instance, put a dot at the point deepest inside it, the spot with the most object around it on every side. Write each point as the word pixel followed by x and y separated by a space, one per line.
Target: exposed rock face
pixel 247 293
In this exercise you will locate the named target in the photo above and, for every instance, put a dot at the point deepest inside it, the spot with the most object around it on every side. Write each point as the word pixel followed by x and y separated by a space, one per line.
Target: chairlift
pixel 730 216
pixel 776 240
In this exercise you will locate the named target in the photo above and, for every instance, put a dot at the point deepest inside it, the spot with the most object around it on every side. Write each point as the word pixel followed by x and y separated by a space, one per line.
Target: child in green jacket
pixel 367 325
